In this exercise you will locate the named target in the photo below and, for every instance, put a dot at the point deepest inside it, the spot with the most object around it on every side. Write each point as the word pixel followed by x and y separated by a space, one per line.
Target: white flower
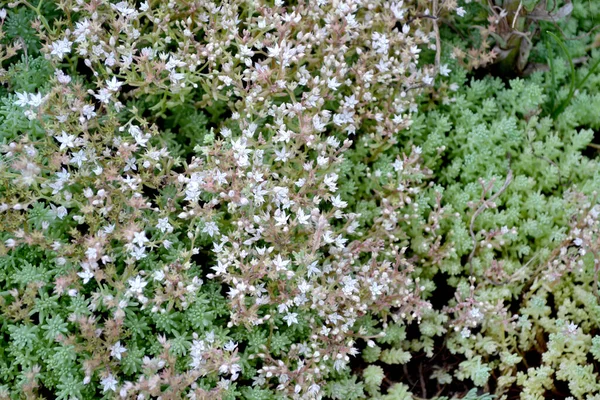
pixel 333 84
pixel 159 276
pixel 61 212
pixel 78 158
pixel 124 9
pixel 88 111
pixel 103 95
pixel 211 228
pixel 318 124
pixel 62 77
pixel 114 85
pixel 137 285
pixel 291 318
pixel 381 44
pixel 109 383
pixel 164 225
pixel 337 202
pixel 139 137
pixel 398 165
pixel 140 238
pixel 65 140
pixel 281 155
pixel 280 263
pixel 91 253
pixel 398 10
pixel 117 350
pixel 109 229
pixel 230 346
pixel 444 70
pixel 301 217
pixel 571 328
pixel 60 48
pixel 314 389
pixel 86 275
pixel 461 11
pixel 339 365
pixel 22 99
pixel 35 100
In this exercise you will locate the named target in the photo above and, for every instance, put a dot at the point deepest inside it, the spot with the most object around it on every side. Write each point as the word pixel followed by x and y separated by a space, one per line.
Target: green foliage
pixel 248 227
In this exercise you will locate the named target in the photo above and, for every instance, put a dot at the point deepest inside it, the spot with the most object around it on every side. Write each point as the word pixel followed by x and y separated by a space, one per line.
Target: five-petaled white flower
pixel 113 85
pixel 210 228
pixel 86 275
pixel 137 285
pixel 139 238
pixel 65 140
pixel 60 48
pixel 116 350
pixel 291 318
pixel 337 202
pixel 163 225
pixel 108 383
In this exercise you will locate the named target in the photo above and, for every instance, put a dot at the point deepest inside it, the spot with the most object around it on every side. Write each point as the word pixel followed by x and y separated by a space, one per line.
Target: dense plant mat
pixel 303 200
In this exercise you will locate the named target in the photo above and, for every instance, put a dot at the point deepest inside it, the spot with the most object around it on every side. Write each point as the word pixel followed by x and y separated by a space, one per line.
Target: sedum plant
pixel 172 220
pixel 273 200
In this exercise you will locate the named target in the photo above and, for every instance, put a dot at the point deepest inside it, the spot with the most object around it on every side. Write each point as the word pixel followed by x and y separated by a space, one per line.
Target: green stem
pixel 565 102
pixel 38 11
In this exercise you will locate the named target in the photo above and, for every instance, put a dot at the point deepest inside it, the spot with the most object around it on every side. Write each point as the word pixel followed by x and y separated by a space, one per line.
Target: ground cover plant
pixel 304 200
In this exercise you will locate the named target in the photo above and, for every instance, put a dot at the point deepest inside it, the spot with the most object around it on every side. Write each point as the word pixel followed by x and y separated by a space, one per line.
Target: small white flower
pixel 86 275
pixel 571 328
pixel 62 77
pixel 210 228
pixel 22 99
pixel 140 238
pixel 35 100
pixel 444 70
pixel 78 158
pixel 230 346
pixel 338 202
pixel 465 333
pixel 291 318
pixel 61 212
pixel 137 285
pixel 117 350
pixel 281 155
pixel 138 252
pixel 109 383
pixel 159 275
pixel 60 48
pixel 91 253
pixel 164 226
pixel 461 11
pixel 65 140
pixel 280 263
pixel 103 95
pixel 114 85
pixel 333 84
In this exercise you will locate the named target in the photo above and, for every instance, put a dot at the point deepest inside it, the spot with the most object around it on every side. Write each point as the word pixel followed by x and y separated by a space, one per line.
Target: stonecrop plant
pixel 288 200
